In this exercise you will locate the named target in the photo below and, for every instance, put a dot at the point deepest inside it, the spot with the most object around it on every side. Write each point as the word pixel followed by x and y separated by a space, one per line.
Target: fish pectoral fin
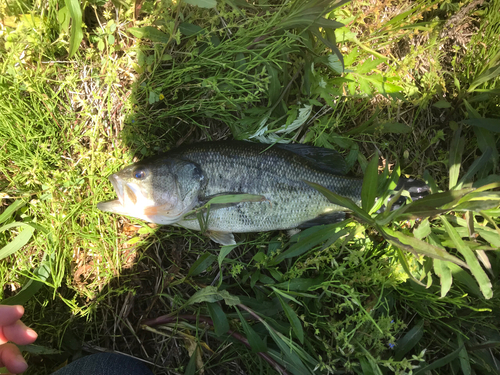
pixel 224 238
pixel 229 199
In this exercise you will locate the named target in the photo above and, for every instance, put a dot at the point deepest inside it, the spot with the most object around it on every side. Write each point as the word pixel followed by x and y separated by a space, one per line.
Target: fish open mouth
pixel 118 186
pixel 114 205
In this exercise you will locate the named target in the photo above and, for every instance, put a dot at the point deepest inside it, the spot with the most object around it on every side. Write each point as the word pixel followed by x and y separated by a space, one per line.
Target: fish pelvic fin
pixel 224 238
pixel 329 218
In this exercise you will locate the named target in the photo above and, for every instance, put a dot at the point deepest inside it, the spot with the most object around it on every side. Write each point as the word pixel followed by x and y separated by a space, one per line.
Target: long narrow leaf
pixel 342 201
pixel 19 241
pixel 293 319
pixel 76 26
pixel 472 261
pixel 370 184
pixel 9 211
pixel 456 149
pixel 416 246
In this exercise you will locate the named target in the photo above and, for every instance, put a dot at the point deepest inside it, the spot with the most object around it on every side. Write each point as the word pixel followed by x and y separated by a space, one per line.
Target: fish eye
pixel 139 174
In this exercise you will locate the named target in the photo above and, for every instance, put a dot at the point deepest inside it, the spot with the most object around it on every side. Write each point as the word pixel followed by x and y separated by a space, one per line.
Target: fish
pixel 168 189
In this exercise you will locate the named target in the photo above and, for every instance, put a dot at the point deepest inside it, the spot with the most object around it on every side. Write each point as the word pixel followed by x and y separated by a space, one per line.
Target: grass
pixel 419 90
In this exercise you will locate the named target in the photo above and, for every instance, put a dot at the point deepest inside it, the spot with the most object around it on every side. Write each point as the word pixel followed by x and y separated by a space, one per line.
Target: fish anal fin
pixel 224 238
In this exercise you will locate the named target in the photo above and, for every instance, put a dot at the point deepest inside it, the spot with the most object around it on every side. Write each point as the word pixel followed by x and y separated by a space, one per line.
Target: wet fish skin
pixel 180 180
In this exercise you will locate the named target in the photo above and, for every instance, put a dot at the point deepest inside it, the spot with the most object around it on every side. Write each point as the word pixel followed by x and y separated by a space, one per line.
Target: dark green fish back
pixel 274 172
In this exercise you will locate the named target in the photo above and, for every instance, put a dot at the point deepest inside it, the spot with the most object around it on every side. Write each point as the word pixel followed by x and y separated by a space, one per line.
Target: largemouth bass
pixel 167 188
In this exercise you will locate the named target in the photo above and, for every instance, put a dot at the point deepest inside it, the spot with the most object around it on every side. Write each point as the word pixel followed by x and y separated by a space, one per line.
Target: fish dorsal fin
pixel 224 238
pixel 327 160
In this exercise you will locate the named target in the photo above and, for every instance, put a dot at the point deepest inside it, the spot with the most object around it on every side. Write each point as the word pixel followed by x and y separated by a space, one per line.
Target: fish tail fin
pixel 418 189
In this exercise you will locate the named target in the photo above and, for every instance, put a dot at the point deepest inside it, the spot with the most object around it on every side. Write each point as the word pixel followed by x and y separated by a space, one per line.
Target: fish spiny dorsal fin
pixel 327 160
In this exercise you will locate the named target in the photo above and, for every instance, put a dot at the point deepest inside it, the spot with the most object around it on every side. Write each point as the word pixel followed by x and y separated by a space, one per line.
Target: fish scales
pixel 277 174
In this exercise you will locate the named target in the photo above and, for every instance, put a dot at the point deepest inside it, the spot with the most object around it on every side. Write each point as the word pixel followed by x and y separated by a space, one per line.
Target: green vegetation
pixel 405 87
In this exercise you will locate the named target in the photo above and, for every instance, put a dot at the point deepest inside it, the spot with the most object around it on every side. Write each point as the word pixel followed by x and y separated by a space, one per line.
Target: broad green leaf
pixel 31 287
pixel 293 319
pixel 256 342
pixel 189 29
pixel 388 127
pixel 404 263
pixel 442 104
pixel 224 250
pixel 342 201
pixel 202 3
pixel 369 65
pixel 212 294
pixel 150 33
pixel 445 276
pixel 76 26
pixel 455 159
pixel 9 211
pixel 465 279
pixel 300 284
pixel 471 260
pixel 408 341
pixel 423 230
pixel 201 264
pixel 416 246
pixel 307 243
pixel 221 325
pixel 19 241
pixel 370 184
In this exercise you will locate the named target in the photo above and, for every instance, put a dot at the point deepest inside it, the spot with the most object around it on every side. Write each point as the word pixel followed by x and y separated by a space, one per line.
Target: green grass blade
pixel 9 211
pixel 438 363
pixel 370 184
pixel 293 319
pixel 368 364
pixel 256 342
pixel 76 26
pixel 456 149
pixel 471 260
pixel 201 264
pixel 19 241
pixel 478 164
pixel 464 357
